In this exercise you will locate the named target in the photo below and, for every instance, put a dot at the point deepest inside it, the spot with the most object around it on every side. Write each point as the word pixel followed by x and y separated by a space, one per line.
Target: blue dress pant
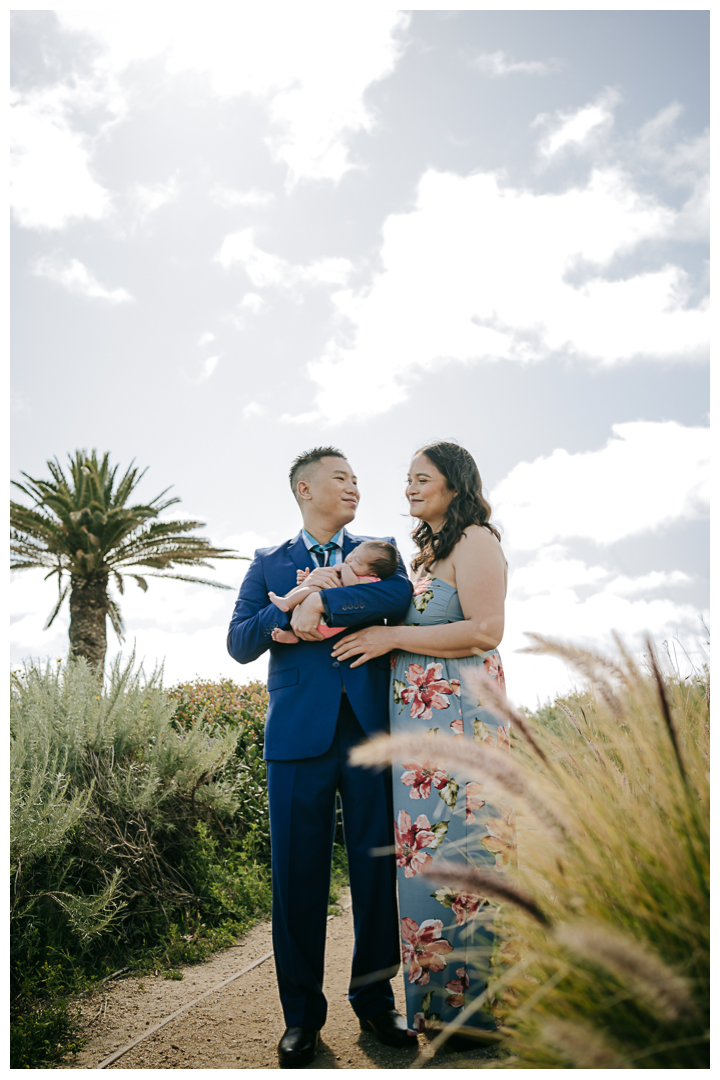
pixel 302 795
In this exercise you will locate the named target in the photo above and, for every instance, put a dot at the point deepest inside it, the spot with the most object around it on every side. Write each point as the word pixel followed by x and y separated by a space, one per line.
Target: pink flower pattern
pixel 420 779
pixel 464 906
pixel 457 988
pixel 410 839
pixel 473 800
pixel 423 948
pixel 426 690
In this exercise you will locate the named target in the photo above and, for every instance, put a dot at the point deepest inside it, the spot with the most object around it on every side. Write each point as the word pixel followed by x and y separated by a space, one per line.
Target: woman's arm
pixel 480 576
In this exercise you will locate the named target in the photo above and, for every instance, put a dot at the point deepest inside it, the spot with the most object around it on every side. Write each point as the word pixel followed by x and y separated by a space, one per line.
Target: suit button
pixel 344 607
pixel 336 663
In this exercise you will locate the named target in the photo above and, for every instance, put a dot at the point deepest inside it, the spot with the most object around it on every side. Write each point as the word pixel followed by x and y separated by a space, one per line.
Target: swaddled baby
pixel 373 560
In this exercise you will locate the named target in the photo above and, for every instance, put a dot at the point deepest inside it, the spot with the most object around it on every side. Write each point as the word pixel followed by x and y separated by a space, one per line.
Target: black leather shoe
pixel 391 1029
pixel 297 1047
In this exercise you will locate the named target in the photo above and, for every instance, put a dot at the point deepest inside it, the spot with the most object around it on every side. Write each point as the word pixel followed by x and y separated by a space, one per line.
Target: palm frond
pixel 116 618
pixel 56 609
pixel 81 522
pixel 192 580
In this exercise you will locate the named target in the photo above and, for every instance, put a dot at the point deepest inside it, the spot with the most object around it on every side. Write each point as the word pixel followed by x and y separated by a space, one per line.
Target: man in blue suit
pixel 319 709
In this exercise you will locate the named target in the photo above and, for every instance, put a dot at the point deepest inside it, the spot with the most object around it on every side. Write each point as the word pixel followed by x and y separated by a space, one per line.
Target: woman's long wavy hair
pixel 469 507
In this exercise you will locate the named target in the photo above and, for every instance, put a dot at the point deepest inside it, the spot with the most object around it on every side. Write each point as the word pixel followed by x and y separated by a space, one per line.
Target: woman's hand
pixel 364 645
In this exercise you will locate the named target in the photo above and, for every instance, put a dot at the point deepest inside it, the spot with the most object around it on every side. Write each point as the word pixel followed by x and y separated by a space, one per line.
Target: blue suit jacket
pixel 304 681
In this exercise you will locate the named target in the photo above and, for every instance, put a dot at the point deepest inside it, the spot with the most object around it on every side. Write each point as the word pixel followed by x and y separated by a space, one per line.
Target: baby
pixel 373 560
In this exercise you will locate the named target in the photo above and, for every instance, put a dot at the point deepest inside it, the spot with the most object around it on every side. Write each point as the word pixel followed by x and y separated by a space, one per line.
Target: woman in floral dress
pixel 448 641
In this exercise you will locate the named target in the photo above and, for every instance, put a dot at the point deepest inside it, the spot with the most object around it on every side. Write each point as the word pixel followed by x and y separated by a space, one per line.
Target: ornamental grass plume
pixel 615 973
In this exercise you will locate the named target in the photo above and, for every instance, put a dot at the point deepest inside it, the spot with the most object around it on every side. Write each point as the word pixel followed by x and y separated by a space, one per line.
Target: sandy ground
pixel 239 1026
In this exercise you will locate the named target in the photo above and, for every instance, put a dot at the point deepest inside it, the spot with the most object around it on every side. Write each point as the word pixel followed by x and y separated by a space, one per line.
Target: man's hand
pixel 306 617
pixel 324 577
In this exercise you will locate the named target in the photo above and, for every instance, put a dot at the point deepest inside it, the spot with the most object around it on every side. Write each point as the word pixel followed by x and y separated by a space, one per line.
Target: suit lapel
pixel 300 554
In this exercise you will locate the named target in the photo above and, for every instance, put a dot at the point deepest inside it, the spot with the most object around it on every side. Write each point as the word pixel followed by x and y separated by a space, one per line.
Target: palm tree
pixel 82 530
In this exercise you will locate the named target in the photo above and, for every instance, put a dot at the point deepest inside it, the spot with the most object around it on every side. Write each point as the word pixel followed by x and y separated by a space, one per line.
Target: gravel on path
pixel 240 1025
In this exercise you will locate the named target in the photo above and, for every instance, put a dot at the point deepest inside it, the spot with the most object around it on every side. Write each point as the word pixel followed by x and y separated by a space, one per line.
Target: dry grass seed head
pixel 663 990
pixel 597 669
pixel 491 886
pixel 492 698
pixel 582 1045
pixel 480 761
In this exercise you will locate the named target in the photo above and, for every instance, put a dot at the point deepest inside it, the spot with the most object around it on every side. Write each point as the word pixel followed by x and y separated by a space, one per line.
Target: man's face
pixel 330 491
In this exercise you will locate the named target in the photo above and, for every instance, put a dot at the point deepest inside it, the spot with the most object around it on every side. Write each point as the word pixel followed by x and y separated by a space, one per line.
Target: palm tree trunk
pixel 88 608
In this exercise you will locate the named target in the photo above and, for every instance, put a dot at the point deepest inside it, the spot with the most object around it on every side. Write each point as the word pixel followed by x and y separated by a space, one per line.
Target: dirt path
pixel 239 1026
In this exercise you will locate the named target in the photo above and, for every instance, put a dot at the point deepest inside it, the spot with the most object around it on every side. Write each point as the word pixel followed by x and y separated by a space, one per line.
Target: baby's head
pixel 373 558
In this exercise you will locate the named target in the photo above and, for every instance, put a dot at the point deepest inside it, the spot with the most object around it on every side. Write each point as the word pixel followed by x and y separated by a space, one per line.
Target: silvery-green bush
pixel 104 790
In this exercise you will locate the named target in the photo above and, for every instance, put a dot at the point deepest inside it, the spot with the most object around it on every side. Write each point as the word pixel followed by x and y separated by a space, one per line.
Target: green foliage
pixel 134 841
pixel 224 708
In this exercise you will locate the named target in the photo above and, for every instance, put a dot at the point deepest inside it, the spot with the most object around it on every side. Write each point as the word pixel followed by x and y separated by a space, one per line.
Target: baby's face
pixel 359 561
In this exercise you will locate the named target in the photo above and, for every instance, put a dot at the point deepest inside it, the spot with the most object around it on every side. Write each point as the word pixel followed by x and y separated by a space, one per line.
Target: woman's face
pixel 427 492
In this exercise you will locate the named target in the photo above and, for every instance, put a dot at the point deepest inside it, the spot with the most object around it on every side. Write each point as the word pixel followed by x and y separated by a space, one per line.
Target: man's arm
pixel 372 602
pixel 254 618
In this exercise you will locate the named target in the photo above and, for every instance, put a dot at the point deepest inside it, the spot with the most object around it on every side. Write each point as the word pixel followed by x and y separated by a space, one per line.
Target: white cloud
pixel 208 367
pixel 51 180
pixel 228 197
pixel 579 128
pixel 646 476
pixel 265 269
pixel 150 197
pixel 253 302
pixel 498 64
pixel 76 278
pixel 683 162
pixel 206 338
pixel 253 409
pixel 481 270
pixel 553 569
pixel 560 596
pixel 310 67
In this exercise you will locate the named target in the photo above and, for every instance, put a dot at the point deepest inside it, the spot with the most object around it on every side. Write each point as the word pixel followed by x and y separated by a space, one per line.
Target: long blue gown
pixel 447 938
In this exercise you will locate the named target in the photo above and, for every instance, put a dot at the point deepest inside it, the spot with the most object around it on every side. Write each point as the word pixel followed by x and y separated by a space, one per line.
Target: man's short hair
pixel 384 558
pixel 304 463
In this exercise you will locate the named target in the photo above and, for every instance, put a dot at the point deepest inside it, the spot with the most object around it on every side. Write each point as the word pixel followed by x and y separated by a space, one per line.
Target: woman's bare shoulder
pixel 479 541
pixel 475 535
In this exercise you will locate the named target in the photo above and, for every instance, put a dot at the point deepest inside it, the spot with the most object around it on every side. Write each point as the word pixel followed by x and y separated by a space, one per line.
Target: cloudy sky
pixel 238 236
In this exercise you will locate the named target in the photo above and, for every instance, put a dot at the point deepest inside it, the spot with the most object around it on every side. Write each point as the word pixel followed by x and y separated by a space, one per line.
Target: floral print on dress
pixel 425 1020
pixel 464 905
pixel 499 739
pixel 457 988
pixel 448 943
pixel 423 948
pixel 501 839
pixel 422 593
pixel 425 691
pixel 473 800
pixel 410 840
pixel 420 780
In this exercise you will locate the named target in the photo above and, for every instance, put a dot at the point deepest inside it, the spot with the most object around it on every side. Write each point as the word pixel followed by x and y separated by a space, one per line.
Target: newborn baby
pixel 373 560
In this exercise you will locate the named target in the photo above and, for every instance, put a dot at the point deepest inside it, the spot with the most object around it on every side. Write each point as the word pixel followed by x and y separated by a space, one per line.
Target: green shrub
pixel 135 838
pixel 224 708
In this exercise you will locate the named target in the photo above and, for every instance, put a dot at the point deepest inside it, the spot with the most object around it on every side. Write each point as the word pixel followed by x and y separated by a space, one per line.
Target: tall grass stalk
pixel 608 930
